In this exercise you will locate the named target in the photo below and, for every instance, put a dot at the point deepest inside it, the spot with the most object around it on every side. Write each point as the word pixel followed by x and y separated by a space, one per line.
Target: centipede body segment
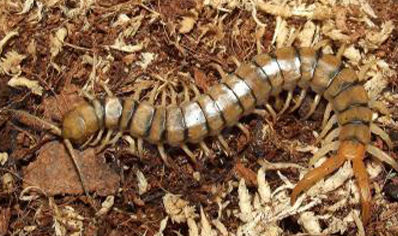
pixel 251 86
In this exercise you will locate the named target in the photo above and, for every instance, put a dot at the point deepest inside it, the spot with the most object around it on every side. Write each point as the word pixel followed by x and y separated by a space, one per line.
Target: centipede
pixel 247 90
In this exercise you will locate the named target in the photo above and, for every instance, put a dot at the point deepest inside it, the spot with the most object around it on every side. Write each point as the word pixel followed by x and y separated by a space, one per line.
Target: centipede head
pixel 80 123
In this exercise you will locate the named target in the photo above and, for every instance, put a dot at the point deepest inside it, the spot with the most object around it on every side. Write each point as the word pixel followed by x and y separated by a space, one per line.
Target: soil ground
pixel 156 29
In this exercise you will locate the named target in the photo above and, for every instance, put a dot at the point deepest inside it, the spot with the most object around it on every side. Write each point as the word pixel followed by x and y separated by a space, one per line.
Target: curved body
pixel 238 94
pixel 224 104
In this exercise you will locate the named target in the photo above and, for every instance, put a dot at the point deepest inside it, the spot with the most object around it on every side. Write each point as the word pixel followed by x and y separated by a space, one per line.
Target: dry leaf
pixel 10 65
pixel 306 35
pixel 6 38
pixel 146 59
pixel 143 185
pixel 177 208
pixel 27 6
pixel 3 158
pixel 57 41
pixel 122 46
pixel 106 206
pixel 310 222
pixel 163 225
pixel 187 22
pixel 375 39
pixel 33 85
pixel 205 225
pixel 8 182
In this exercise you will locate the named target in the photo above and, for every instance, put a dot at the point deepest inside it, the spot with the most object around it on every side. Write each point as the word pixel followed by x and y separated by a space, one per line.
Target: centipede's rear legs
pixel 329 136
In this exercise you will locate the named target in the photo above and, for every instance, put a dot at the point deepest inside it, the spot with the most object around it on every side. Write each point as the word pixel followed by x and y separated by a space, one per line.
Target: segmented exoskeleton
pixel 241 93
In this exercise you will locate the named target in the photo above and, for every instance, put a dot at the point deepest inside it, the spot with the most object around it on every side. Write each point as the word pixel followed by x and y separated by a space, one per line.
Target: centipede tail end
pixel 315 175
pixel 364 188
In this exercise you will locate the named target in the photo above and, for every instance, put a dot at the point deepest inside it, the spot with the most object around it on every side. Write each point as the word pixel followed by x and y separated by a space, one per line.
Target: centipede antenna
pixel 286 104
pixel 327 114
pixel 35 122
pixel 382 134
pixel 300 100
pixel 69 147
pixel 313 107
pixel 245 131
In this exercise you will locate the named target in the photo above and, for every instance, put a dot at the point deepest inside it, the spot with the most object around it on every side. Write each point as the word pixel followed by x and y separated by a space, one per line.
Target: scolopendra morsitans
pixel 239 94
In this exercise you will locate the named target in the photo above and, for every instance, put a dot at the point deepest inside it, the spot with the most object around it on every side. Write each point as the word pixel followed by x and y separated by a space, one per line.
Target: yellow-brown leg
pixel 314 105
pixel 327 114
pixel 272 112
pixel 323 151
pixel 205 148
pixel 382 156
pixel 224 144
pixel 382 134
pixel 286 104
pixel 300 100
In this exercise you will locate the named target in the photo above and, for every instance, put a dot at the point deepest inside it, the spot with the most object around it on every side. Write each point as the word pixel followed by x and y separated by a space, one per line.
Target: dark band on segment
pixel 184 124
pixel 250 89
pixel 334 75
pixel 206 121
pixel 130 113
pixel 263 71
pixel 149 123
pixel 237 98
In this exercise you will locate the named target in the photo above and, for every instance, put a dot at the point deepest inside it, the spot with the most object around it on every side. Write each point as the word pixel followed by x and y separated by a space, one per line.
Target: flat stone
pixel 55 173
